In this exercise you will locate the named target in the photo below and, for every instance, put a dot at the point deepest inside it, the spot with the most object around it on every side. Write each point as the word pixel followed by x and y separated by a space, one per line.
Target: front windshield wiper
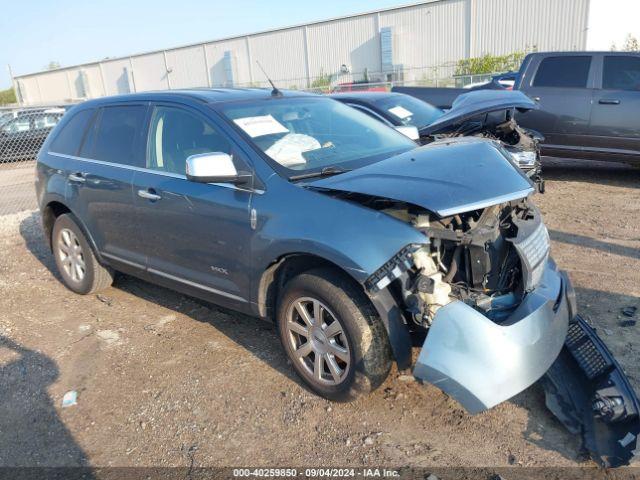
pixel 325 172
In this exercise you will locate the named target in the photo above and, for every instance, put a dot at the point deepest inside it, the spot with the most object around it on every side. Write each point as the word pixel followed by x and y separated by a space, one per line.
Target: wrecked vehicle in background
pixel 483 113
pixel 356 241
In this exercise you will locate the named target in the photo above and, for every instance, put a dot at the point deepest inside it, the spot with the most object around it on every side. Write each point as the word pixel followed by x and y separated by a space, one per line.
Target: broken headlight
pixel 532 245
pixel 526 160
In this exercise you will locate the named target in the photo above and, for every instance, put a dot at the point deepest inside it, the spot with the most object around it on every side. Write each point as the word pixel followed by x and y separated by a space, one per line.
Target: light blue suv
pixel 356 242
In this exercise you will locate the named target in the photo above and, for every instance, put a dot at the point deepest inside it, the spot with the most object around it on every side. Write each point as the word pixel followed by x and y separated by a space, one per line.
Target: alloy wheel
pixel 71 255
pixel 318 341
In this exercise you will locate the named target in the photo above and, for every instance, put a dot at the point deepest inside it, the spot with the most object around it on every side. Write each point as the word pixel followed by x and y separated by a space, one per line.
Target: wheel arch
pixel 51 211
pixel 285 267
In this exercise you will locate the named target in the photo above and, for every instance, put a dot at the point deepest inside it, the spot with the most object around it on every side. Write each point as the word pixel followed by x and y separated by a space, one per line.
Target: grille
pixel 534 251
pixel 584 351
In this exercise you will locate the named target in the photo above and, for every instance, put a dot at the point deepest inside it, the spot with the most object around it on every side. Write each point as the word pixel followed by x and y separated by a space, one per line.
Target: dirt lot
pixel 163 379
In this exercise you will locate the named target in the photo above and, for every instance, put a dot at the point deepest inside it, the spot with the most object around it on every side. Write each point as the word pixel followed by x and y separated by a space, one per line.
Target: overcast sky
pixel 36 32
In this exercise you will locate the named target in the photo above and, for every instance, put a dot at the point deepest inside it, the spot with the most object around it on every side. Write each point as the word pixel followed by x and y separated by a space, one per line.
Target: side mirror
pixel 215 167
pixel 409 131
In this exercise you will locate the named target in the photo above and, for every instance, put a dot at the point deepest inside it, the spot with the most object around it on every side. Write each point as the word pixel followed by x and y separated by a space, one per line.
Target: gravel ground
pixel 165 380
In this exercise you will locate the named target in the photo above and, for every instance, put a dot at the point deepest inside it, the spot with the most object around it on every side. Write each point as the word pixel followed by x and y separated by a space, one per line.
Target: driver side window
pixel 176 134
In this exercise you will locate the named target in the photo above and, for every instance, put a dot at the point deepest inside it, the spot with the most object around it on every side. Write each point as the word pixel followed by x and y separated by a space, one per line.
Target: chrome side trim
pixel 148 170
pixel 177 279
pixel 196 285
pixel 122 260
pixel 485 203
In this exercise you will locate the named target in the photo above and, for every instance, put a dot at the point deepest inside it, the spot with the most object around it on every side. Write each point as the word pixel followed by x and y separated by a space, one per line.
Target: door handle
pixel 609 101
pixel 149 195
pixel 77 177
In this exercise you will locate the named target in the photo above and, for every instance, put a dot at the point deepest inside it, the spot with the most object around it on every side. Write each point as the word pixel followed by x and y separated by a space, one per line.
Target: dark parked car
pixel 22 135
pixel 402 112
pixel 589 103
pixel 486 113
pixel 353 239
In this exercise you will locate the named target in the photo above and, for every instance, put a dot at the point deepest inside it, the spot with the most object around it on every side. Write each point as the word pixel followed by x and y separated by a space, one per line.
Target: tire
pixel 75 260
pixel 339 366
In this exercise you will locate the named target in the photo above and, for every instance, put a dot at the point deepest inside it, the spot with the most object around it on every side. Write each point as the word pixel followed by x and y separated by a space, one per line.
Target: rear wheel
pixel 78 266
pixel 332 335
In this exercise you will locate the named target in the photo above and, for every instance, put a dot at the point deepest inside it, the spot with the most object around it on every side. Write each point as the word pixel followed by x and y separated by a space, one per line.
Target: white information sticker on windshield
pixel 259 126
pixel 400 112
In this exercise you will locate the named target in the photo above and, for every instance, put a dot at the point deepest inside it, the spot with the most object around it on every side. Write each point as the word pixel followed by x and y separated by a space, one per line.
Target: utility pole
pixel 14 85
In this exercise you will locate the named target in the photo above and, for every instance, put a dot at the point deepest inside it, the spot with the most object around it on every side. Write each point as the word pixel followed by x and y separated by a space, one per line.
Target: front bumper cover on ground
pixel 481 363
pixel 590 394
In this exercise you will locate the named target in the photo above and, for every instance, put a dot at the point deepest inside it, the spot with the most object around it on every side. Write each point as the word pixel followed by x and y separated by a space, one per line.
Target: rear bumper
pixel 481 363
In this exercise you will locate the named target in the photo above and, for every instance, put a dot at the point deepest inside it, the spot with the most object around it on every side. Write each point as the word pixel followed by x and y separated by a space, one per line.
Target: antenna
pixel 275 92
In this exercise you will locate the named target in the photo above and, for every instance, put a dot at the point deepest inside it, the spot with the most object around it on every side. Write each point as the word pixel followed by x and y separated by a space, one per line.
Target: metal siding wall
pixel 57 86
pixel 149 72
pixel 76 84
pixel 117 76
pixel 215 59
pixel 505 26
pixel 427 35
pixel 281 54
pixel 352 41
pixel 94 79
pixel 187 67
pixel 29 89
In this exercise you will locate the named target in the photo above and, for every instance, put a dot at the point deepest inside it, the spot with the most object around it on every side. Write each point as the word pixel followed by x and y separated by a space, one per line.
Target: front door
pixel 195 234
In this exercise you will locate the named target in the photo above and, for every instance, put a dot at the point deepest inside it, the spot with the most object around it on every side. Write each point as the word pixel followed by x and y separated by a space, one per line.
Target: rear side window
pixel 621 73
pixel 563 72
pixel 116 134
pixel 68 139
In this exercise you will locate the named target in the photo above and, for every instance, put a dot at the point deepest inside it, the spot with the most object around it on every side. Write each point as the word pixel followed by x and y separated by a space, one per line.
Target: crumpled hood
pixel 469 105
pixel 445 178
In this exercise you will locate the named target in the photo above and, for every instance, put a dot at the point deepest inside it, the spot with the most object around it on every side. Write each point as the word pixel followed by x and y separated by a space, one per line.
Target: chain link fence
pixel 22 133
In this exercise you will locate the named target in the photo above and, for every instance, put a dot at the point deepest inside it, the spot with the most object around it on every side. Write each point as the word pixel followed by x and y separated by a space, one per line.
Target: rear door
pixel 615 117
pixel 100 182
pixel 197 235
pixel 563 85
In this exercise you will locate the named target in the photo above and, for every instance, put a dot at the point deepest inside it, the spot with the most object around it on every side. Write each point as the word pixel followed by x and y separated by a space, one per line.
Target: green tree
pixel 323 82
pixel 491 63
pixel 7 96
pixel 52 65
pixel 631 44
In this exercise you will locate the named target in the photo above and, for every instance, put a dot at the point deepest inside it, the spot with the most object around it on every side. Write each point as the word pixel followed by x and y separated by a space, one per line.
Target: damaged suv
pixel 357 242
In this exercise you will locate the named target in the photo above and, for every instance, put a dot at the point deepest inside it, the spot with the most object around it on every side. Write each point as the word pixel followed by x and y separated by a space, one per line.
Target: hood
pixel 469 105
pixel 445 178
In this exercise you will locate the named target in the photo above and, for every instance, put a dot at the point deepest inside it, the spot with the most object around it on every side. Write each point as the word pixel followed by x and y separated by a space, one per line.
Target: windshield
pixel 305 135
pixel 408 110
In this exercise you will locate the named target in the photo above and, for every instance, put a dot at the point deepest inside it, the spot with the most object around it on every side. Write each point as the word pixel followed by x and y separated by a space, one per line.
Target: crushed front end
pixel 496 310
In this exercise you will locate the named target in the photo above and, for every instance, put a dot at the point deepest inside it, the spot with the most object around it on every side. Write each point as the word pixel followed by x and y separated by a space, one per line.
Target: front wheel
pixel 332 335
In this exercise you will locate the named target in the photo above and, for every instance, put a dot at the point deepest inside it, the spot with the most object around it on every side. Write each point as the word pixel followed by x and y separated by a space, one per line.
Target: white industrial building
pixel 409 43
